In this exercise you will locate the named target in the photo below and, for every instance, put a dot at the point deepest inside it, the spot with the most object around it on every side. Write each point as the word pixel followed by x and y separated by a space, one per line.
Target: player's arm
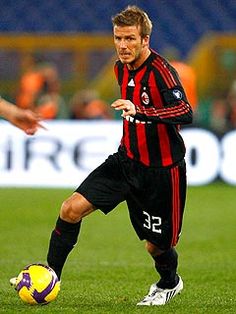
pixel 175 111
pixel 174 107
pixel 25 120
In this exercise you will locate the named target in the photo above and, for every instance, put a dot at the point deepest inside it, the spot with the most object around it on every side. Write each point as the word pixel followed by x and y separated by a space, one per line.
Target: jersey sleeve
pixel 175 108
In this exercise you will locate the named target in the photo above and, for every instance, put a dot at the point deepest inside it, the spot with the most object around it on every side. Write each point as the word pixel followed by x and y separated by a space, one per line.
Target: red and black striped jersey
pixel 152 136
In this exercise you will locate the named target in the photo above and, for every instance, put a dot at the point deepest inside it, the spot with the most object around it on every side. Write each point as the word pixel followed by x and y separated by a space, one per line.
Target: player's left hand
pixel 126 105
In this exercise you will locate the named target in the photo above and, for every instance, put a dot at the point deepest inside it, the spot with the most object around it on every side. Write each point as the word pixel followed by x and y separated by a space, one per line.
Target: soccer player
pixel 25 120
pixel 148 170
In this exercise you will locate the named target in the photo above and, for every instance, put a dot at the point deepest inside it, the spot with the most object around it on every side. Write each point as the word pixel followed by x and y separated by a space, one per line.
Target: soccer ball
pixel 37 284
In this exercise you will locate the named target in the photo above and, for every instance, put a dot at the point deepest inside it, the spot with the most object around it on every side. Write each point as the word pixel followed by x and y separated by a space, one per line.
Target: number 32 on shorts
pixel 152 223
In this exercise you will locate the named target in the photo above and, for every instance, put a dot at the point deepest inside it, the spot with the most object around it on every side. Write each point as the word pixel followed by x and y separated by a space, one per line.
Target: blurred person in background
pixel 188 79
pixel 219 115
pixel 39 90
pixel 86 104
pixel 79 101
pixel 148 171
pixel 231 100
pixel 25 120
pixel 222 116
pixel 187 75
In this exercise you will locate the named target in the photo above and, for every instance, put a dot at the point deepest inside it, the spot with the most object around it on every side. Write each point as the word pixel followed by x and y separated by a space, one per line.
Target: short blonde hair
pixel 133 15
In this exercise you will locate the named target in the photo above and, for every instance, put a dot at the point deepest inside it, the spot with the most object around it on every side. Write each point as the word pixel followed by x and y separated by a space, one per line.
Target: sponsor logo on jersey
pixel 177 94
pixel 145 98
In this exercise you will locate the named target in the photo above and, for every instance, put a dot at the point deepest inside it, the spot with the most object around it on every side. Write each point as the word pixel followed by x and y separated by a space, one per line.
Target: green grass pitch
pixel 109 270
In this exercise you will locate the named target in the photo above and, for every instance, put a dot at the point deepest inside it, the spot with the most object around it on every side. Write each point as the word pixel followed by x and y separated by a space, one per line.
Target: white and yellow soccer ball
pixel 37 284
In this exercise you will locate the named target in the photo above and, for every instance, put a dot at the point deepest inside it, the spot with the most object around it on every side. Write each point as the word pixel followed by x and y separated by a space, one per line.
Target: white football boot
pixel 158 296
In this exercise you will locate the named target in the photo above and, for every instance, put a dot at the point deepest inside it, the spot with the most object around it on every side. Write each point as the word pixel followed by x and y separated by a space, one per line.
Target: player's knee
pixel 69 213
pixel 153 249
pixel 75 207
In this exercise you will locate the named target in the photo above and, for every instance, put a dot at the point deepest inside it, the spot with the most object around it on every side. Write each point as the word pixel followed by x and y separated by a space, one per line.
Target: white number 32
pixel 152 223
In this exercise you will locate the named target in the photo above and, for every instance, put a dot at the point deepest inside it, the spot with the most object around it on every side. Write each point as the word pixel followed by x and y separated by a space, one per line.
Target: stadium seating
pixel 177 23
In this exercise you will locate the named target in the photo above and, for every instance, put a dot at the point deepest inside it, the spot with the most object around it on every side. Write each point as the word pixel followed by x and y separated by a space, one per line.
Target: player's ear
pixel 145 40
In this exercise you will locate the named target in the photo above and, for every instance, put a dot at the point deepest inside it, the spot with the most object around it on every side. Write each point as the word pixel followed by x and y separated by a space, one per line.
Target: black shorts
pixel 155 197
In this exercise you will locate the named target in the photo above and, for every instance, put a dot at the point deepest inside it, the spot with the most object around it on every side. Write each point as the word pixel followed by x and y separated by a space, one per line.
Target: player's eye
pixel 130 39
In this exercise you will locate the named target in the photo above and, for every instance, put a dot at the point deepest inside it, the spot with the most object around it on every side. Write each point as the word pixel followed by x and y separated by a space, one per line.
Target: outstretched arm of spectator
pixel 26 120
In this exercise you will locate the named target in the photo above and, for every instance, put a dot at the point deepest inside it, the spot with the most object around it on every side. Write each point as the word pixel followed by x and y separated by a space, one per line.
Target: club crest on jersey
pixel 177 94
pixel 145 98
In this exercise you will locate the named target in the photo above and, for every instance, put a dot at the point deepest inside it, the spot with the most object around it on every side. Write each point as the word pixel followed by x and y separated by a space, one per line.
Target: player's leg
pixel 65 235
pixel 172 203
pixel 170 283
pixel 166 263
pixel 148 226
pixel 158 219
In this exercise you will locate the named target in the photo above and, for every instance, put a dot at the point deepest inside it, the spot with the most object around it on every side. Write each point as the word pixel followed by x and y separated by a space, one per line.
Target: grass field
pixel 109 271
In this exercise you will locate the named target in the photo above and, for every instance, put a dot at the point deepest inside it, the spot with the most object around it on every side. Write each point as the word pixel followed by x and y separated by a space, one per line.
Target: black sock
pixel 166 265
pixel 62 241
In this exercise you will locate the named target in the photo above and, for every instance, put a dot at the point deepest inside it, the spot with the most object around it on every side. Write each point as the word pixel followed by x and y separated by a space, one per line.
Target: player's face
pixel 131 48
